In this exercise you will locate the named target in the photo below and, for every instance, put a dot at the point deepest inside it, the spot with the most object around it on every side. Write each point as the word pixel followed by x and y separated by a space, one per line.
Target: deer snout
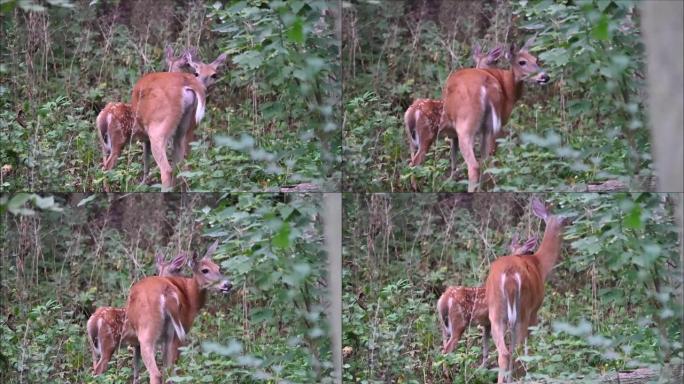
pixel 225 286
pixel 542 78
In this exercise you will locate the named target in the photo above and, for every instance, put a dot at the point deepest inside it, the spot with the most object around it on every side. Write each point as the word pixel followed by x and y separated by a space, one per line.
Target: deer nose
pixel 226 286
pixel 543 78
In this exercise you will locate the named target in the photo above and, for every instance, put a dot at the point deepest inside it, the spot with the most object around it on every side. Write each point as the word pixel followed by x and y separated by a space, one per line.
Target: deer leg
pixel 158 145
pixel 455 337
pixel 423 148
pixel 103 364
pixel 110 162
pixel 485 345
pixel 146 160
pixel 498 330
pixel 466 145
pixel 136 364
pixel 171 354
pixel 453 143
pixel 486 144
pixel 184 132
pixel 96 357
pixel 147 352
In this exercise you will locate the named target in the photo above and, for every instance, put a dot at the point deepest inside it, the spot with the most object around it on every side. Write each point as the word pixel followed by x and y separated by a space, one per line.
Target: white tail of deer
pixel 422 118
pixel 168 106
pixel 460 307
pixel 106 326
pixel 515 288
pixel 161 310
pixel 481 100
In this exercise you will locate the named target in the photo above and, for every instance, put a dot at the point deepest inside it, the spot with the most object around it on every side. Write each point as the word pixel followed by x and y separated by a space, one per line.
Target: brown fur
pixel 168 105
pixel 465 116
pixel 161 310
pixel 469 307
pixel 422 118
pixel 502 289
pixel 115 129
pixel 107 326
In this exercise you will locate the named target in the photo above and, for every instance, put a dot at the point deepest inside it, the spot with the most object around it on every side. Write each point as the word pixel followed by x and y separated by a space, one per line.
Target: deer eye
pixel 196 74
pixel 205 270
pixel 214 76
pixel 522 63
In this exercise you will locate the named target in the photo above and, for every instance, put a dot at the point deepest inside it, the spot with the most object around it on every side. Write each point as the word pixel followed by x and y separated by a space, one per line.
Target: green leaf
pixel 282 237
pixel 633 218
pixel 600 30
pixel 296 32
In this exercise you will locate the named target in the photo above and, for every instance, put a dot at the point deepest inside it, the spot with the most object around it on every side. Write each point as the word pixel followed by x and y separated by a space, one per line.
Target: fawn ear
pixel 169 53
pixel 159 259
pixel 477 50
pixel 510 53
pixel 494 54
pixel 530 245
pixel 193 261
pixel 179 261
pixel 514 243
pixel 539 209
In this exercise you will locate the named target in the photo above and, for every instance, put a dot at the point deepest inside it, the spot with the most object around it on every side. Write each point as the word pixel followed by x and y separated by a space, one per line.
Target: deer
pixel 115 122
pixel 422 118
pixel 106 326
pixel 460 307
pixel 480 100
pixel 167 106
pixel 161 310
pixel 515 288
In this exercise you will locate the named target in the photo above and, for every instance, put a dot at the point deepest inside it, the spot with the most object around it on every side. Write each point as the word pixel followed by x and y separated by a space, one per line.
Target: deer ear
pixel 220 60
pixel 193 261
pixel 179 261
pixel 159 259
pixel 495 53
pixel 539 209
pixel 477 50
pixel 510 53
pixel 169 52
pixel 211 249
pixel 528 43
pixel 530 244
pixel 514 243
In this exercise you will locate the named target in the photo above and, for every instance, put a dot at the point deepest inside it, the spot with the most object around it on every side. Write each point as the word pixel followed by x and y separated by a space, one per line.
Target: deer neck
pixel 196 294
pixel 550 247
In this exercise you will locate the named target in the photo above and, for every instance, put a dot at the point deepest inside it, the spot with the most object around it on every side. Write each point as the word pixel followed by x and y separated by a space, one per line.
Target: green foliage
pixel 279 89
pixel 271 327
pixel 612 303
pixel 586 127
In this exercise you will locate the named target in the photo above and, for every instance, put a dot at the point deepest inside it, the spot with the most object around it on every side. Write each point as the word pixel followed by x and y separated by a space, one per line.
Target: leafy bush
pixel 613 302
pixel 279 92
pixel 66 255
pixel 586 127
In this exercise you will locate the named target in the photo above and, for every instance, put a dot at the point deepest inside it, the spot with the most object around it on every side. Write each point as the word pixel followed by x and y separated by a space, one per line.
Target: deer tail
pixel 443 313
pixel 93 327
pixel 102 123
pixel 171 306
pixel 410 119
pixel 510 287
